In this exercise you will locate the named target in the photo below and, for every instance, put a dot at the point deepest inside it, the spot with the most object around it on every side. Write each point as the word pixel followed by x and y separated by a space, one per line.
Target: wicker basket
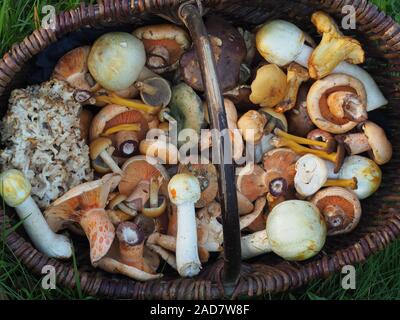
pixel 228 277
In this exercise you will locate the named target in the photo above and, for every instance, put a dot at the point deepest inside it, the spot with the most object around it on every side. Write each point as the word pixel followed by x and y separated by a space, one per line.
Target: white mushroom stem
pixel 45 240
pixel 187 257
pixel 374 95
pixel 255 244
pixel 110 162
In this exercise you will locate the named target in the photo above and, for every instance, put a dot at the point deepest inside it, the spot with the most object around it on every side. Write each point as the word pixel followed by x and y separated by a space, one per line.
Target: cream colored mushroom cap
pixel 14 187
pixel 184 188
pixel 380 145
pixel 279 42
pixel 296 230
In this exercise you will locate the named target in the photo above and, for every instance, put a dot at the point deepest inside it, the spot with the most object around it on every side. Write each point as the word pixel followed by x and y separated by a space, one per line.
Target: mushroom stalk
pixel 146 88
pixel 345 183
pixel 15 190
pixel 255 244
pixel 110 162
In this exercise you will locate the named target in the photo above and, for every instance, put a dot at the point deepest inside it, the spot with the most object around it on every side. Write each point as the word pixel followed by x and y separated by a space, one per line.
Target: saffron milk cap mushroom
pixel 184 191
pixel 340 207
pixel 15 190
pixel 116 60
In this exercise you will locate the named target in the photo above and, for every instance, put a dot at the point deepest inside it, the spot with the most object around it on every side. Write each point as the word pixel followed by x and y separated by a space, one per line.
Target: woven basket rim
pixel 255 280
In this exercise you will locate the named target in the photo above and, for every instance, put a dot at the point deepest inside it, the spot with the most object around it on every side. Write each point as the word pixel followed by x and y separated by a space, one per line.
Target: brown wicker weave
pixel 380 223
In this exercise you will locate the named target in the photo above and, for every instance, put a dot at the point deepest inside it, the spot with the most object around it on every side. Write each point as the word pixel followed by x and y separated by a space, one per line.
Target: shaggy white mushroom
pixel 15 189
pixel 184 191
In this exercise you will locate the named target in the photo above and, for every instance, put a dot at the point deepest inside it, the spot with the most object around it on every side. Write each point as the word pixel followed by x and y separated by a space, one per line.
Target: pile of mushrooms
pixel 301 111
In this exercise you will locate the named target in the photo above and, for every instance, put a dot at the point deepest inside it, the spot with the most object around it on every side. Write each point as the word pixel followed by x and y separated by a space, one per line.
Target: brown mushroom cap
pixel 229 51
pixel 251 181
pixel 137 169
pixel 340 207
pixel 164 45
pixel 317 105
pixel 381 148
pixel 207 176
pixel 98 146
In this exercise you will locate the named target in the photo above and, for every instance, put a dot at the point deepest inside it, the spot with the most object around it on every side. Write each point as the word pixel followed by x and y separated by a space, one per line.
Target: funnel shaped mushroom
pixel 116 60
pixel 184 191
pixel 340 207
pixel 333 49
pixel 295 231
pixel 15 191
pixel 281 42
pixel 85 205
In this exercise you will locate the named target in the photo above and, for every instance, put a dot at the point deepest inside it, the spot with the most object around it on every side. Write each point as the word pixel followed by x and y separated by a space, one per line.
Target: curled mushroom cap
pixel 229 52
pixel 279 42
pixel 327 116
pixel 116 60
pixel 340 207
pixel 269 87
pixel 333 49
pixel 164 45
pixel 381 148
pixel 311 175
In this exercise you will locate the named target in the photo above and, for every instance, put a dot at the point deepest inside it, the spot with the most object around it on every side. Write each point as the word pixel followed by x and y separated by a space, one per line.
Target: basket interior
pixel 379 64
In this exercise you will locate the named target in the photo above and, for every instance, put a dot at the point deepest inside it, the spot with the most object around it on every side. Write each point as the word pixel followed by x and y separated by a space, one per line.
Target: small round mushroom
pixel 116 60
pixel 164 45
pixel 207 176
pixel 269 87
pixel 333 48
pixel 340 207
pixel 252 125
pixel 98 150
pixel 367 173
pixel 295 230
pixel 229 51
pixel 333 114
pixel 321 135
pixel 373 139
pixel 184 191
pixel 154 91
pixel 15 190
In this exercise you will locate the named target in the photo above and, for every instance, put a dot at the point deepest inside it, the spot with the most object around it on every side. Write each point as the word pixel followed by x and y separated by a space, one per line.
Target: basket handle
pixel 190 15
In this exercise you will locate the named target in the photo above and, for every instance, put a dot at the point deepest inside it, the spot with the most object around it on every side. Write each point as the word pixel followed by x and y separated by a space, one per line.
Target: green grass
pixel 378 278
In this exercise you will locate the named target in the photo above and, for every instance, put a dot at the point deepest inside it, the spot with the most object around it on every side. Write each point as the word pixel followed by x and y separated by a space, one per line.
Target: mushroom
pixel 184 191
pixel 287 141
pixel 340 207
pixel 296 75
pixel 167 152
pixel 206 174
pixel 321 135
pixel 337 103
pixel 126 128
pixel 229 51
pixel 252 181
pixel 312 175
pixel 281 42
pixel 157 203
pixel 367 173
pixel 299 121
pixel 116 60
pixel 85 205
pixel 251 125
pixel 333 48
pixel 295 230
pixel 245 206
pixel 15 190
pixel 154 91
pixel 187 109
pixel 240 96
pixel 98 154
pixel 373 139
pixel 269 87
pixel 255 221
pixel 117 202
pixel 164 45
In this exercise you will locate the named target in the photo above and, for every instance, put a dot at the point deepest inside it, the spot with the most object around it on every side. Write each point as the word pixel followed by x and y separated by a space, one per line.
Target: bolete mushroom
pixel 333 48
pixel 184 191
pixel 281 42
pixel 164 45
pixel 15 190
pixel 340 207
pixel 116 60
pixel 373 139
pixel 229 51
pixel 295 230
pixel 337 103
pixel 296 75
pixel 84 204
pixel 367 173
pixel 312 175
pixel 269 87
